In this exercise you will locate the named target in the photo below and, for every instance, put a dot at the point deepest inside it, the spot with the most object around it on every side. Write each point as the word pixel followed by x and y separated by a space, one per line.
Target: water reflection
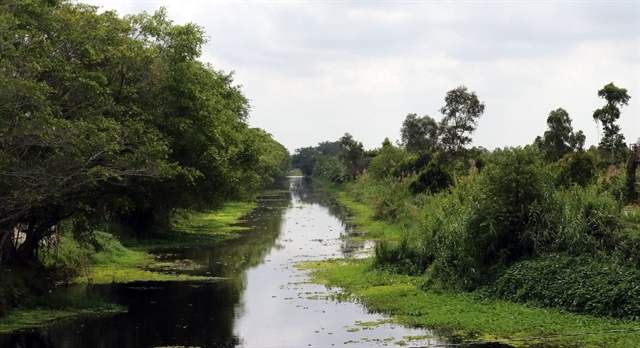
pixel 256 297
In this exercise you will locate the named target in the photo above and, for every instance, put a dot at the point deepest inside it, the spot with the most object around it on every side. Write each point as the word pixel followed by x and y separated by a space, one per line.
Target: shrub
pixel 386 161
pixel 433 179
pixel 580 168
pixel 332 168
pixel 407 257
pixel 584 284
pixel 411 165
pixel 577 220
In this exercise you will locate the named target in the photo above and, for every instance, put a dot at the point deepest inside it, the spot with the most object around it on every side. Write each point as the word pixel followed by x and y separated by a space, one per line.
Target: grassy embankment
pixel 471 315
pixel 135 263
pixel 104 260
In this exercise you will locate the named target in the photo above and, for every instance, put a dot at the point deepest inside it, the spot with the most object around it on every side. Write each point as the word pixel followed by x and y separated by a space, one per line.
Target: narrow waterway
pixel 256 297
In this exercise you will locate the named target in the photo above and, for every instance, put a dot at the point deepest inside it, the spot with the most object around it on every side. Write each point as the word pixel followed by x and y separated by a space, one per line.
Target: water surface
pixel 256 297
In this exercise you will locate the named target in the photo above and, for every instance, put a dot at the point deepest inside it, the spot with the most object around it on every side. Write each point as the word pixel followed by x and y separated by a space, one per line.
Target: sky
pixel 315 70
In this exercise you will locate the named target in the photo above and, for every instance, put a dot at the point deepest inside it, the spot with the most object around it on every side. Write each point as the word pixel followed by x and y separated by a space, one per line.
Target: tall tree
pixel 67 140
pixel 419 133
pixel 460 118
pixel 118 116
pixel 329 148
pixel 612 142
pixel 352 154
pixel 560 138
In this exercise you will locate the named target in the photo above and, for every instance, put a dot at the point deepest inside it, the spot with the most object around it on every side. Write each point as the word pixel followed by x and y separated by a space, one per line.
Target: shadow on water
pixel 255 297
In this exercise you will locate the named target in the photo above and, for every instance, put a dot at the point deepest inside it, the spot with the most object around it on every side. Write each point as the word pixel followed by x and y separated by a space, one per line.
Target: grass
pixel 200 229
pixel 362 215
pixel 124 265
pixel 467 316
pixel 52 307
pixel 105 260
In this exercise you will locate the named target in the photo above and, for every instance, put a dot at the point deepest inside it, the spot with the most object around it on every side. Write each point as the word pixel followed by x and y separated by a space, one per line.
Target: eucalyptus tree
pixel 612 141
pixel 352 154
pixel 460 118
pixel 560 139
pixel 419 133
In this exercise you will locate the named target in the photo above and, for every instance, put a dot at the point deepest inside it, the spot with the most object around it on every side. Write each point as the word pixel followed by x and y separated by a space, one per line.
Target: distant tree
pixel 612 141
pixel 434 178
pixel 329 148
pixel 460 117
pixel 560 139
pixel 332 168
pixel 388 158
pixel 352 154
pixel 273 157
pixel 305 159
pixel 419 133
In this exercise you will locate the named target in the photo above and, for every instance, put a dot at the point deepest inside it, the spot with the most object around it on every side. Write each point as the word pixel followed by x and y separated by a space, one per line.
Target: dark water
pixel 258 298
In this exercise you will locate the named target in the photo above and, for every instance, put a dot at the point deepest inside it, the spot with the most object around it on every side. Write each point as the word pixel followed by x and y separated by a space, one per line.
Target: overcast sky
pixel 314 70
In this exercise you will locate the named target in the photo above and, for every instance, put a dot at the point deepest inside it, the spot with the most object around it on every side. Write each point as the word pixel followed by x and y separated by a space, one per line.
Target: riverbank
pixel 116 263
pixel 137 263
pixel 470 316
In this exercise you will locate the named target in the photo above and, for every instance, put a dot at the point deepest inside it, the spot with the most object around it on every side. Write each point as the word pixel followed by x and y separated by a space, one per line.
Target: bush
pixel 411 165
pixel 433 179
pixel 580 168
pixel 386 161
pixel 576 221
pixel 406 257
pixel 584 284
pixel 331 168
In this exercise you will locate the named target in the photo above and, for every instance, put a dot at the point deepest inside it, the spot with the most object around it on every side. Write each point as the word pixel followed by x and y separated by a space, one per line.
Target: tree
pixel 305 159
pixel 388 158
pixel 329 148
pixel 273 157
pixel 67 141
pixel 560 139
pixel 460 118
pixel 115 119
pixel 419 133
pixel 352 154
pixel 612 141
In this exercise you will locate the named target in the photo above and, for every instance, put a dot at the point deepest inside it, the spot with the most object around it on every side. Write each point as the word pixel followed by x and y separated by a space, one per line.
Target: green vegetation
pixel 194 229
pixel 466 315
pixel 43 310
pixel 112 124
pixel 100 258
pixel 110 119
pixel 548 225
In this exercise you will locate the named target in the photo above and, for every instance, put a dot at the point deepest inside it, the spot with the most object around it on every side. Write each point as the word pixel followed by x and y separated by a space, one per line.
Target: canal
pixel 255 296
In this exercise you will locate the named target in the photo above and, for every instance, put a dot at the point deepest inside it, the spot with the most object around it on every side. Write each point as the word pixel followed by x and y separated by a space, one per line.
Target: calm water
pixel 257 297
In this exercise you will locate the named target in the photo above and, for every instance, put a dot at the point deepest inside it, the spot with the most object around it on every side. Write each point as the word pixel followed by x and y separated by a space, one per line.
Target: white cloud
pixel 315 70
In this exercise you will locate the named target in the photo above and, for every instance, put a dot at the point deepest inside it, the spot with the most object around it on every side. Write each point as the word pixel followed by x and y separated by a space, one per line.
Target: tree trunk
pixel 6 247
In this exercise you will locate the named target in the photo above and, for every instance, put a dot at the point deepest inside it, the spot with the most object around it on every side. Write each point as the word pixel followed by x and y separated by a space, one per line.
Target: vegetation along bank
pixel 513 243
pixel 112 130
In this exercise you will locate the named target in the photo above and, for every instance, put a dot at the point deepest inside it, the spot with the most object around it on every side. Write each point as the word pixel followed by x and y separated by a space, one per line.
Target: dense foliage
pixel 547 224
pixel 114 119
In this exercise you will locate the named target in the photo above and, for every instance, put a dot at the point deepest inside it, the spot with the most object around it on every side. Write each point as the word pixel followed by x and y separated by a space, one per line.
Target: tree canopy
pixel 612 141
pixel 419 133
pixel 115 117
pixel 460 118
pixel 560 139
